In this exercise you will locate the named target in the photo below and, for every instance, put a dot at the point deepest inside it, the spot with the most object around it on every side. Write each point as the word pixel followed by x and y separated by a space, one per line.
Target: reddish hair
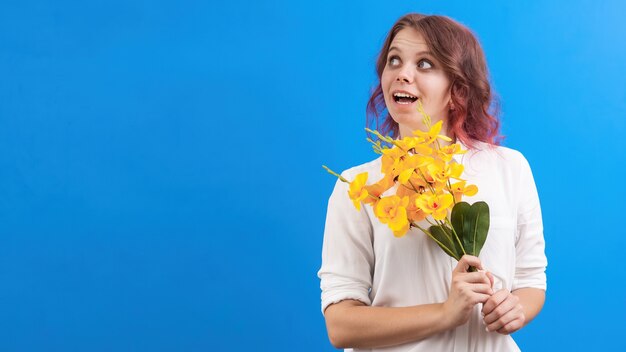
pixel 463 60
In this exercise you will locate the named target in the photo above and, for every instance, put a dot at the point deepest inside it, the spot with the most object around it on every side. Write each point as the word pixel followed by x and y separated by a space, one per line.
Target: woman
pixel 380 292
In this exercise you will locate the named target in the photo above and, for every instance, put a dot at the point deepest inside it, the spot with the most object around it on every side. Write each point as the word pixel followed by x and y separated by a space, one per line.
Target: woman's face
pixel 412 73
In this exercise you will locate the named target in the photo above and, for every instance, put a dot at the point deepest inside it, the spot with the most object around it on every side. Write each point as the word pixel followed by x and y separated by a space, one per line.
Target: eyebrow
pixel 426 52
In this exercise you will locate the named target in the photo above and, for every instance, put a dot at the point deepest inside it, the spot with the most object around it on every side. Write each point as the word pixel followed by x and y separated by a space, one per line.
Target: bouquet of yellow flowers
pixel 422 170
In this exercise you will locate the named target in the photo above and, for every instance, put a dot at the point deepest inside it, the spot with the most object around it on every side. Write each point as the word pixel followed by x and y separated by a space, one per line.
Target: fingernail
pixel 487 329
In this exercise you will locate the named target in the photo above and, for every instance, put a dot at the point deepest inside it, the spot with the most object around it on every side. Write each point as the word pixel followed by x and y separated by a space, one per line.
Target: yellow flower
pixel 413 145
pixel 407 143
pixel 392 160
pixel 446 152
pixel 433 134
pixel 357 191
pixel 455 170
pixel 435 204
pixel 417 160
pixel 404 191
pixel 423 149
pixel 413 212
pixel 392 211
pixel 404 176
pixel 400 224
pixel 429 179
pixel 378 188
pixel 415 185
pixel 441 171
pixel 412 174
pixel 459 189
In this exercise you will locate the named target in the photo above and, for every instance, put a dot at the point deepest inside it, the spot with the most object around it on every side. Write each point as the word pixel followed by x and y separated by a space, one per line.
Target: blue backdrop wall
pixel 161 185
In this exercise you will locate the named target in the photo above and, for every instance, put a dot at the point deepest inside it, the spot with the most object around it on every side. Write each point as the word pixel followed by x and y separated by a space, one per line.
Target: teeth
pixel 403 95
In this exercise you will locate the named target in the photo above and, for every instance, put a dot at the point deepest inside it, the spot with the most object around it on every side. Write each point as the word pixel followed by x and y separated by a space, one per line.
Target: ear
pixel 450 102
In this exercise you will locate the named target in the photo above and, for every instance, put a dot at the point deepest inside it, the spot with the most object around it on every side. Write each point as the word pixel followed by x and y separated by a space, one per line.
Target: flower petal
pixel 471 190
pixel 405 175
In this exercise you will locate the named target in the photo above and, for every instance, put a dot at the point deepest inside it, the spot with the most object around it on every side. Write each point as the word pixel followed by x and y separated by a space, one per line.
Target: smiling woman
pixel 379 290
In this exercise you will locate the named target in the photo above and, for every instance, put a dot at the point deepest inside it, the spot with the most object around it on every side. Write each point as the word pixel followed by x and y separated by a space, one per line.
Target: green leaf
pixel 476 223
pixel 442 236
pixel 457 218
pixel 471 223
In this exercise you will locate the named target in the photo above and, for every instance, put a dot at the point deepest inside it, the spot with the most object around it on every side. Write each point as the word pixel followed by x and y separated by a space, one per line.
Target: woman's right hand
pixel 466 290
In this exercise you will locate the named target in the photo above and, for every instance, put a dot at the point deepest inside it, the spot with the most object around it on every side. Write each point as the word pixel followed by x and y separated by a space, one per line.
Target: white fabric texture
pixel 362 260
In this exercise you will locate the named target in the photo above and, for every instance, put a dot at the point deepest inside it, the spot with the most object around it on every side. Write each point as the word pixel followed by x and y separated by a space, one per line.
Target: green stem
pixel 455 235
pixel 431 223
pixel 412 185
pixel 446 249
pixel 375 146
pixel 335 174
pixel 432 189
pixel 386 139
pixel 405 186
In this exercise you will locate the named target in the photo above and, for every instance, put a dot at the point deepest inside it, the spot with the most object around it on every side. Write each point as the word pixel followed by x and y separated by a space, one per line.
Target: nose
pixel 404 75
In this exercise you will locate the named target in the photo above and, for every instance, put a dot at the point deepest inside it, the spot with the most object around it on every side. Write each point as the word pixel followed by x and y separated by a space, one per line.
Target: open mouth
pixel 404 98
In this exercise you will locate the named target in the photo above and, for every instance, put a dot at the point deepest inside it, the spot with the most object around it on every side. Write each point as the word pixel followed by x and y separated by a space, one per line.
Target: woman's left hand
pixel 503 313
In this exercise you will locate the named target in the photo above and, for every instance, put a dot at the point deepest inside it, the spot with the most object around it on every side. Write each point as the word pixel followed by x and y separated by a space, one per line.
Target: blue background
pixel 161 185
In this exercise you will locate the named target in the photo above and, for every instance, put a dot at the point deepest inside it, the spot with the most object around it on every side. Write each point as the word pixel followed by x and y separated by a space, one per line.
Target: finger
pixel 476 278
pixel 502 309
pixel 495 300
pixel 481 288
pixel 510 316
pixel 479 298
pixel 490 276
pixel 512 326
pixel 465 262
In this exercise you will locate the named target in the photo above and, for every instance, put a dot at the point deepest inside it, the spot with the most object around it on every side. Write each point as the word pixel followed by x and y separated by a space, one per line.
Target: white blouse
pixel 362 260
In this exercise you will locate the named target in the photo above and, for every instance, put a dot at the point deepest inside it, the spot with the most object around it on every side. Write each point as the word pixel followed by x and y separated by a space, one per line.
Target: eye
pixel 394 61
pixel 424 64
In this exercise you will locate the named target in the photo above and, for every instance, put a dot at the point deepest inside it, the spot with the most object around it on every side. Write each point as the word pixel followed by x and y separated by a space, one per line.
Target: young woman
pixel 380 292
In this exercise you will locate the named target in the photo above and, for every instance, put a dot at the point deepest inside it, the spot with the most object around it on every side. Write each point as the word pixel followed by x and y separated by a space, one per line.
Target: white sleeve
pixel 531 261
pixel 347 251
